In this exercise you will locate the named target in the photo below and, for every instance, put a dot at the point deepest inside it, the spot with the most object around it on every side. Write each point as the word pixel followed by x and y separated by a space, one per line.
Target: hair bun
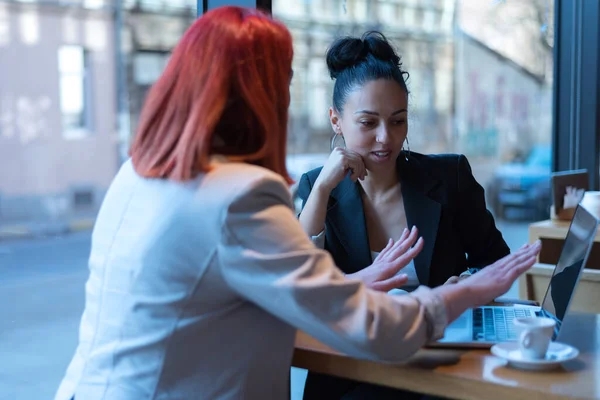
pixel 380 48
pixel 349 51
pixel 345 53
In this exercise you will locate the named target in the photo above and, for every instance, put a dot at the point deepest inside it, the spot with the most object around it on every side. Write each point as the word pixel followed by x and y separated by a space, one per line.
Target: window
pixel 148 65
pixel 480 83
pixel 74 91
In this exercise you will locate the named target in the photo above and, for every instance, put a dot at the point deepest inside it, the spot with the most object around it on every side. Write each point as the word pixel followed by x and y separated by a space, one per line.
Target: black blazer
pixel 441 198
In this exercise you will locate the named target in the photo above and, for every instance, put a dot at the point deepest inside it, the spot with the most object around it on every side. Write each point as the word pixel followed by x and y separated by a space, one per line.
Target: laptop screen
pixel 576 248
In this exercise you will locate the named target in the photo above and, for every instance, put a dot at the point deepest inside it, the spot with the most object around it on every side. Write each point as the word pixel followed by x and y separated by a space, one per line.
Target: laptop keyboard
pixel 495 324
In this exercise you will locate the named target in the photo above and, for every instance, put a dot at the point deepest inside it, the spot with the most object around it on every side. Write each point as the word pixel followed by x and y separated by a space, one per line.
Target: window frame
pixel 576 119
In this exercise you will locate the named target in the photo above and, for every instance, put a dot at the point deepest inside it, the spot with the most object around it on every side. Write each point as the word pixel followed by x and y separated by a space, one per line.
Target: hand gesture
pixel 340 162
pixel 496 279
pixel 383 275
pixel 455 279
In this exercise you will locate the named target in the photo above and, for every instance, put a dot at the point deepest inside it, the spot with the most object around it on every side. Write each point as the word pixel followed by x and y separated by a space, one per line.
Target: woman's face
pixel 374 122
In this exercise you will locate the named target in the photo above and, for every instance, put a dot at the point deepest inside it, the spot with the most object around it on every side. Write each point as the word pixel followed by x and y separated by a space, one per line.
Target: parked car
pixel 523 185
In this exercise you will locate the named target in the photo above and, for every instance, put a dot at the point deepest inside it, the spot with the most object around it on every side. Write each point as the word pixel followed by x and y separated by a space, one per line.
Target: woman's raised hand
pixel 383 275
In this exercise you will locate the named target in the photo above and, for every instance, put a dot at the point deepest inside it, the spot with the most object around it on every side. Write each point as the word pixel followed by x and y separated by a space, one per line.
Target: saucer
pixel 557 354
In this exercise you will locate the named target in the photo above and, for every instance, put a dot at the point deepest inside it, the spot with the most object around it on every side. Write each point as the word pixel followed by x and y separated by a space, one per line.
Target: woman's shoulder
pixel 312 175
pixel 246 172
pixel 239 180
pixel 450 169
pixel 304 186
pixel 436 160
pixel 441 166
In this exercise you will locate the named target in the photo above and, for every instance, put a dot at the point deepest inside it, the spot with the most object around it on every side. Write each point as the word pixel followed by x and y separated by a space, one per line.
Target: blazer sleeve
pixel 482 240
pixel 266 258
pixel 304 188
pixel 303 191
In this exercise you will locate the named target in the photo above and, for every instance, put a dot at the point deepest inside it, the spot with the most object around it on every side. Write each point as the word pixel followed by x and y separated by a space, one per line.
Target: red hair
pixel 224 91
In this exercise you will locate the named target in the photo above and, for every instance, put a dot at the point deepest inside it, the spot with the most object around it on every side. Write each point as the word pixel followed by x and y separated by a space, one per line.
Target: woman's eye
pixel 399 122
pixel 367 123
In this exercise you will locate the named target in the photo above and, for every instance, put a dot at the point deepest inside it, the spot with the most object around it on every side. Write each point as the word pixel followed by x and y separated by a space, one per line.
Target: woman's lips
pixel 381 155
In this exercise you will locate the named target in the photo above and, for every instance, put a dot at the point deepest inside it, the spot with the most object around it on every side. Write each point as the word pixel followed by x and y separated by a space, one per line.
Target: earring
pixel 407 150
pixel 334 139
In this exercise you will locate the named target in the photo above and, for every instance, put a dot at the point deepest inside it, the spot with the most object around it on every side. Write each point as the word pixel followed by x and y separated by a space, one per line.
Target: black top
pixel 441 198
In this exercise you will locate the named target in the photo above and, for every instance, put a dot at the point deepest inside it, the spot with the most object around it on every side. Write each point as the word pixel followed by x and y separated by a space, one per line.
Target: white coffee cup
pixel 535 334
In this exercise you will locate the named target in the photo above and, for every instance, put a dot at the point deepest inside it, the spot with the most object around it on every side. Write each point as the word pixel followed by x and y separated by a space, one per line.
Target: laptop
pixel 487 325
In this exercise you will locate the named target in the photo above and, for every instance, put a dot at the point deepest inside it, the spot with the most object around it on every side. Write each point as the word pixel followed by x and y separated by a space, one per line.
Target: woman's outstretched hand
pixel 383 274
pixel 496 279
pixel 489 283
pixel 455 279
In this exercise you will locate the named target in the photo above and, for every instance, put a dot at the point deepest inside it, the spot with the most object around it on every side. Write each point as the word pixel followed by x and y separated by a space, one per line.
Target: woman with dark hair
pixel 200 273
pixel 372 187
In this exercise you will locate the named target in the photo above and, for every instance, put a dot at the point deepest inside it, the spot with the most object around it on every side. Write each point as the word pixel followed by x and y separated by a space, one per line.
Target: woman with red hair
pixel 200 273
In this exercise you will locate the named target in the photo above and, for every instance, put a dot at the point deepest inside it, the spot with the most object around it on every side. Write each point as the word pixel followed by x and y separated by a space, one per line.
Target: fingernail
pixel 404 231
pixel 403 276
pixel 414 227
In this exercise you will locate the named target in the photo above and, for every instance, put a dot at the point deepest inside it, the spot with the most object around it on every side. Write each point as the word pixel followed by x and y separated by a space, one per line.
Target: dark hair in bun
pixel 353 61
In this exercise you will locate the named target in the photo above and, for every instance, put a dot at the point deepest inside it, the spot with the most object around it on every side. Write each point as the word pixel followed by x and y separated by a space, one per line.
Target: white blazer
pixel 196 291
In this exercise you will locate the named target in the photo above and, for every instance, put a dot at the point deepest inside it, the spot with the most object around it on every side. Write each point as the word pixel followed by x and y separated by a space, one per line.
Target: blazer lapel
pixel 421 211
pixel 347 218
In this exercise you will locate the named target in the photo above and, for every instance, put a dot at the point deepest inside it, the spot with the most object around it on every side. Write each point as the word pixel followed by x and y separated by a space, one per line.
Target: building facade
pixel 57 102
pixel 74 75
pixel 61 136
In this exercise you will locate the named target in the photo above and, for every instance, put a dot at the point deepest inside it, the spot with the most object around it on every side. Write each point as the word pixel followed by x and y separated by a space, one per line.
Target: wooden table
pixel 471 374
pixel 533 284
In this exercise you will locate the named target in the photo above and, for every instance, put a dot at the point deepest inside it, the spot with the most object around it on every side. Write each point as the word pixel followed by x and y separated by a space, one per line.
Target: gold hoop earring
pixel 334 139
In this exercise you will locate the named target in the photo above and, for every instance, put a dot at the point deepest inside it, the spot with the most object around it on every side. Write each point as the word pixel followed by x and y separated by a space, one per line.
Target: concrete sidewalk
pixel 45 228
